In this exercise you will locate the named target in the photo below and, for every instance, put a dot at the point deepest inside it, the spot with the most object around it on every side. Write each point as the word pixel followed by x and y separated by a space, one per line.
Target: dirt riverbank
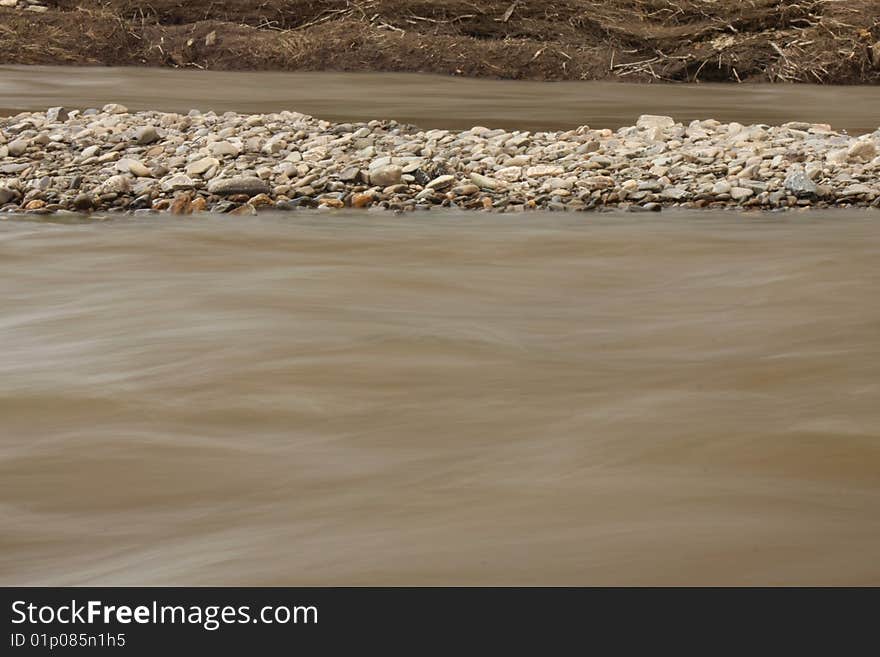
pixel 818 41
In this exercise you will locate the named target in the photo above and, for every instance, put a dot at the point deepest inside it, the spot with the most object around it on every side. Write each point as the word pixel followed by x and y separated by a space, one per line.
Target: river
pixel 330 399
pixel 433 101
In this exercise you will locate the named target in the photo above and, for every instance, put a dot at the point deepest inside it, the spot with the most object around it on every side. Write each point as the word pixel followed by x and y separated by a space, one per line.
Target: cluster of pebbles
pixel 26 5
pixel 112 160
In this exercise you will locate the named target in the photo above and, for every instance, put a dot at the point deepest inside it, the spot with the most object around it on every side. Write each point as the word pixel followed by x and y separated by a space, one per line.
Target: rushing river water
pixel 433 101
pixel 438 398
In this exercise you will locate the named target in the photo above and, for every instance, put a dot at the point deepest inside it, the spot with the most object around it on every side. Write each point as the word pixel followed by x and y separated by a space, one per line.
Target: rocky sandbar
pixel 113 160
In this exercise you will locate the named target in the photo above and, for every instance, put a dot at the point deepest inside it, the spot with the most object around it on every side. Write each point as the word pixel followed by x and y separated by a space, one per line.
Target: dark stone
pixel 82 203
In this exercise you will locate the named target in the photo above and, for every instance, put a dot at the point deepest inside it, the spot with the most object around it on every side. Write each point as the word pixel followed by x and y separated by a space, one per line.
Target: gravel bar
pixel 112 160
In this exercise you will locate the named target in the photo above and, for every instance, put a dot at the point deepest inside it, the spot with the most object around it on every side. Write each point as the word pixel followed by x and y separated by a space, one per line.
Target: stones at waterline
pixel 363 200
pixel 7 195
pixel 249 185
pixel 647 121
pixel 261 201
pixel 182 204
pixel 800 185
pixel 244 210
pixel 82 203
pixel 385 176
pixel 690 166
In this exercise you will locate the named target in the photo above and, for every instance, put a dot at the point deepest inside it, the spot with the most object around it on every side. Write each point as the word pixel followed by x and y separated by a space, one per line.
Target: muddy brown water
pixel 433 101
pixel 441 399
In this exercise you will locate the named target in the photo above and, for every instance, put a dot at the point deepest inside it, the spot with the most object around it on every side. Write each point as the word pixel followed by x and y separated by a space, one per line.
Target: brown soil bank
pixel 819 41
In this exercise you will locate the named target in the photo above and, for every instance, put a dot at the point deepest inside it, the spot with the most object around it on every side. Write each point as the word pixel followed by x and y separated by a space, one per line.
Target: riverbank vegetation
pixel 811 41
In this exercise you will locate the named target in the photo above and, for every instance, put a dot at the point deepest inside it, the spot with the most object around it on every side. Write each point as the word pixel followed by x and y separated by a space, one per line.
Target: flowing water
pixel 440 398
pixel 433 101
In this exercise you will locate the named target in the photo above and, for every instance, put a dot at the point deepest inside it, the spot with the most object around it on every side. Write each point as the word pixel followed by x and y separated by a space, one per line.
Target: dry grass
pixel 824 41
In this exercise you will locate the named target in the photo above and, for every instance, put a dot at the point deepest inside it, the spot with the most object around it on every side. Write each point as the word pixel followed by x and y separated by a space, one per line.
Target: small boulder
pixel 7 195
pixel 484 182
pixel 57 115
pixel 647 121
pixel 146 135
pixel 441 182
pixel 134 167
pixel 18 147
pixel 239 185
pixel 177 183
pixel 740 194
pixel 199 167
pixel 385 176
pixel 115 185
pixel 224 149
pixel 800 185
pixel 862 151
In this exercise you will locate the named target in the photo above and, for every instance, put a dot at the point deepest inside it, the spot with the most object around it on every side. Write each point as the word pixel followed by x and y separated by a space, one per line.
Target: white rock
pixel 652 121
pixel 115 108
pixel 862 150
pixel 115 185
